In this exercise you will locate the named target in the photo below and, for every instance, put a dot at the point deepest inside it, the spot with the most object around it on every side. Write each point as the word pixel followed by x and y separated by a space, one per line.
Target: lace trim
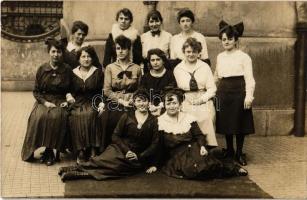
pixel 182 126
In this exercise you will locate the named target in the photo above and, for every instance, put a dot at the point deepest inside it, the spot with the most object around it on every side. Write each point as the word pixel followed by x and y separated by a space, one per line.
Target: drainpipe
pixel 151 5
pixel 300 68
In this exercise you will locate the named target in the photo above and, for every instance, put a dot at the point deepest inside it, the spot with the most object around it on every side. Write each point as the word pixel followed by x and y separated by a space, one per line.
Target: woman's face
pixel 154 25
pixel 141 104
pixel 228 43
pixel 55 55
pixel 172 105
pixel 185 24
pixel 156 62
pixel 190 54
pixel 85 59
pixel 78 37
pixel 124 22
pixel 121 53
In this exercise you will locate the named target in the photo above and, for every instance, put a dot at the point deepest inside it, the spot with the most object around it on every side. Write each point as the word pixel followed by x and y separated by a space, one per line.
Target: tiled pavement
pixel 277 164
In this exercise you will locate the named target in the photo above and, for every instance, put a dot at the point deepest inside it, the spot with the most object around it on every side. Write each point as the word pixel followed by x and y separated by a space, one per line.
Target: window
pixel 30 21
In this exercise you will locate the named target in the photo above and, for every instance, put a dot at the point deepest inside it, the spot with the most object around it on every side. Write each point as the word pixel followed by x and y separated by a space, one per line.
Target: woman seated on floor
pixel 135 140
pixel 183 145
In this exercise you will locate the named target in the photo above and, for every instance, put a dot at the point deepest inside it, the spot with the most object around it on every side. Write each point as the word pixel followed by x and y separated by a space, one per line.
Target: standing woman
pixel 236 86
pixel 79 31
pixel 122 79
pixel 196 79
pixel 47 124
pixel 155 38
pixel 87 84
pixel 157 79
pixel 123 26
pixel 185 18
pixel 134 145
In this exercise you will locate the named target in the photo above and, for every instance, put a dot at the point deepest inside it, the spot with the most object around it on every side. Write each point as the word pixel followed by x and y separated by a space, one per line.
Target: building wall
pixel 269 38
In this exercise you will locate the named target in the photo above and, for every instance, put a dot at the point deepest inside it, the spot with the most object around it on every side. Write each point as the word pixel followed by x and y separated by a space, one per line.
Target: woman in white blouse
pixel 236 86
pixel 196 79
pixel 185 18
pixel 155 38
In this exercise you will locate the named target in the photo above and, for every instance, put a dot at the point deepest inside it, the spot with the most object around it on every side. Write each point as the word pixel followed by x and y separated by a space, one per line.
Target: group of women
pixel 152 104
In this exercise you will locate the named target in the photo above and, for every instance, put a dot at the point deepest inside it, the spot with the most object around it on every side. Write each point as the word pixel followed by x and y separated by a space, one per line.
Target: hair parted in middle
pixel 123 42
pixel 141 93
pixel 160 54
pixel 193 43
pixel 171 91
pixel 79 25
pixel 88 49
pixel 126 12
pixel 155 15
pixel 185 12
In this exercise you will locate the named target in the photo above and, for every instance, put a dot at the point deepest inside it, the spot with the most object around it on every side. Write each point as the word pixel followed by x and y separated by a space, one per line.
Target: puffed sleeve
pixel 197 134
pixel 249 78
pixel 37 93
pixel 119 132
pixel 209 85
pixel 137 51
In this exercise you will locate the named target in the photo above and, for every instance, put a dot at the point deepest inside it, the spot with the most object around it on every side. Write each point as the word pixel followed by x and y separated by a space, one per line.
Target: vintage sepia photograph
pixel 153 99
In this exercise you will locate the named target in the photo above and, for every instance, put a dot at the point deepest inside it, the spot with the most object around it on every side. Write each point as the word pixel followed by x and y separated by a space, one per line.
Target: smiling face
pixel 124 22
pixel 85 59
pixel 141 104
pixel 190 54
pixel 172 105
pixel 154 24
pixel 185 24
pixel 55 55
pixel 121 53
pixel 228 43
pixel 156 62
pixel 78 37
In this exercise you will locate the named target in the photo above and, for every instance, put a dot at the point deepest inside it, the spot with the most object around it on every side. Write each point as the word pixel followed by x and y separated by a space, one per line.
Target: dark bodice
pixel 52 84
pixel 84 91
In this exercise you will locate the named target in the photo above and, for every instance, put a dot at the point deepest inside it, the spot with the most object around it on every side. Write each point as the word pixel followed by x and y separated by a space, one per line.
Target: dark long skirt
pixel 46 128
pixel 110 118
pixel 231 117
pixel 111 164
pixel 185 161
pixel 84 127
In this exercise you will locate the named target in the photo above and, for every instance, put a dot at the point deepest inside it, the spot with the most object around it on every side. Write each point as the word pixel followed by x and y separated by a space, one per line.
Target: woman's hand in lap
pixel 151 169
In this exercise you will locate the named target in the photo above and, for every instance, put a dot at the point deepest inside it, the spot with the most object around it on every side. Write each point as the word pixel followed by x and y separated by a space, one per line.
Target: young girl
pixel 235 92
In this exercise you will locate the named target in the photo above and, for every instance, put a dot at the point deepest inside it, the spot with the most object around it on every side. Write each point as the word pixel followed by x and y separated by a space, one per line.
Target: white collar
pixel 184 67
pixel 130 33
pixel 71 46
pixel 89 73
pixel 182 126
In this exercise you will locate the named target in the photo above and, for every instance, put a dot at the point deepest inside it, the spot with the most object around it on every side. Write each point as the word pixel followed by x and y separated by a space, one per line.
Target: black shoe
pixel 57 156
pixel 51 158
pixel 44 157
pixel 72 175
pixel 67 169
pixel 240 171
pixel 241 159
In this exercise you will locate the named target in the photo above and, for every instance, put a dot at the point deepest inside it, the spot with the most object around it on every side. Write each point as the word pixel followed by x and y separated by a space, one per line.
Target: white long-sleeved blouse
pixel 236 63
pixel 161 41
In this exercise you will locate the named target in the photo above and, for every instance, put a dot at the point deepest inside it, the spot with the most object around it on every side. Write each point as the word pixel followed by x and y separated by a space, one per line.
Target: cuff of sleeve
pixel 249 98
pixel 69 96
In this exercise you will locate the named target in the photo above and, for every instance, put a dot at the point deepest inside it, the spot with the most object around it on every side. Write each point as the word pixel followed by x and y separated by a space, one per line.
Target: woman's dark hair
pixel 88 49
pixel 52 42
pixel 172 91
pixel 185 12
pixel 123 42
pixel 160 54
pixel 79 25
pixel 141 93
pixel 126 12
pixel 230 32
pixel 193 43
pixel 155 15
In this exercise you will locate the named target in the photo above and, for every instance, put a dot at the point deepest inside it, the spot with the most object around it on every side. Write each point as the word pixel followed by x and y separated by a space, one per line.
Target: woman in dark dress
pixel 135 142
pixel 236 86
pixel 157 79
pixel 79 31
pixel 123 26
pixel 121 79
pixel 184 145
pixel 47 124
pixel 86 89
